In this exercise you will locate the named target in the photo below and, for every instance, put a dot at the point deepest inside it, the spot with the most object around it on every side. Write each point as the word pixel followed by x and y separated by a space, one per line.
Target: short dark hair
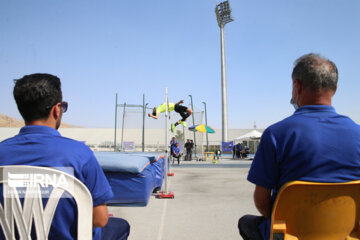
pixel 36 94
pixel 154 111
pixel 315 72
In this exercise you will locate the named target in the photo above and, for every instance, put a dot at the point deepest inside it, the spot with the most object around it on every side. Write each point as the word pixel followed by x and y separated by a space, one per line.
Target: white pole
pixel 223 88
pixel 166 138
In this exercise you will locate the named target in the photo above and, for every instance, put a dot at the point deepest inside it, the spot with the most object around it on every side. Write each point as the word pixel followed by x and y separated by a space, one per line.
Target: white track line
pixel 162 220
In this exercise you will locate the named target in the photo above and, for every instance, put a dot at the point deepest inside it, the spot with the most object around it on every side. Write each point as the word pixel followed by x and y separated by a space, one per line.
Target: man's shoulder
pixel 72 141
pixel 46 151
pixel 74 145
pixel 303 120
pixel 294 119
pixel 8 140
pixel 69 147
pixel 348 121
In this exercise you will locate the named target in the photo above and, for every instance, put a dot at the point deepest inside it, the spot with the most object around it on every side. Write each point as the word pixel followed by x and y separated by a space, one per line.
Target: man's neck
pixel 41 122
pixel 320 98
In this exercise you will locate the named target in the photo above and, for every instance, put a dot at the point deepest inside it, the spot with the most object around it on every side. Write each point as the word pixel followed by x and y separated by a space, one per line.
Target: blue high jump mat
pixel 132 176
pixel 158 166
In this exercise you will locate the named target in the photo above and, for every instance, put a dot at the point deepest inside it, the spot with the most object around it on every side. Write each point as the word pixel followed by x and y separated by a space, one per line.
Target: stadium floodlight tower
pixel 223 16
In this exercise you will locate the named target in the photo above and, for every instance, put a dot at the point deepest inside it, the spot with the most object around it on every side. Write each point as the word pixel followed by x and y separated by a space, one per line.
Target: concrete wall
pixel 96 136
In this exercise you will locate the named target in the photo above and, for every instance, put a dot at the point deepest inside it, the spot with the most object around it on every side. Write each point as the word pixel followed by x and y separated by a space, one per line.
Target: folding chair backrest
pixel 29 179
pixel 316 211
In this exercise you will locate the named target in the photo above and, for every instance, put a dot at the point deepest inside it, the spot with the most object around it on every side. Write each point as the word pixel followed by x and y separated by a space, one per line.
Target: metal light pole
pixel 223 16
pixel 207 139
pixel 143 126
pixel 184 134
pixel 122 128
pixel 193 118
pixel 116 105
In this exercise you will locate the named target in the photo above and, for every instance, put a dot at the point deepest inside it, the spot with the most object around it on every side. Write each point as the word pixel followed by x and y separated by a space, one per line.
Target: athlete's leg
pixel 189 111
pixel 184 113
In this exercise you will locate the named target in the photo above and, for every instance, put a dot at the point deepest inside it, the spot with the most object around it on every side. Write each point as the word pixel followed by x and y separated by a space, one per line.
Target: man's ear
pixel 297 86
pixel 56 111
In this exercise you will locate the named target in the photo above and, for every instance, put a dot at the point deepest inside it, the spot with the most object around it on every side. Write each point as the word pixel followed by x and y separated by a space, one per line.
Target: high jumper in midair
pixel 184 112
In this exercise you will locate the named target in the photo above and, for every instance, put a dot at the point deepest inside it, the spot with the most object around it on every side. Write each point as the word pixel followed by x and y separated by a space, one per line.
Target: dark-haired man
pixel 39 100
pixel 188 150
pixel 184 112
pixel 314 144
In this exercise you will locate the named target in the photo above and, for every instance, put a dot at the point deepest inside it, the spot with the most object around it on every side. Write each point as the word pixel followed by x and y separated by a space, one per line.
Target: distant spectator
pixel 217 154
pixel 176 152
pixel 234 151
pixel 173 141
pixel 247 150
pixel 188 150
pixel 191 147
pixel 239 147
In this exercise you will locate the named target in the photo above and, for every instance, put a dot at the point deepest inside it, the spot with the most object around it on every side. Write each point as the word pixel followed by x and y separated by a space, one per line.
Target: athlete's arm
pixel 154 117
pixel 100 216
pixel 262 200
pixel 181 101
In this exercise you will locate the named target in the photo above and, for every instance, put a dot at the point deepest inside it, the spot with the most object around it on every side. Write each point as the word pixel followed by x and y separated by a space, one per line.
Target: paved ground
pixel 209 199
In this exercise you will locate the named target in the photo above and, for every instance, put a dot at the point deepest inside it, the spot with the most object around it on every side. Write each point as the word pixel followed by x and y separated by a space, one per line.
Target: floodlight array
pixel 223 13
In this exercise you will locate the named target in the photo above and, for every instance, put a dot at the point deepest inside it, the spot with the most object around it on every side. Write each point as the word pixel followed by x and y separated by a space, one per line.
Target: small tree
pixel 179 136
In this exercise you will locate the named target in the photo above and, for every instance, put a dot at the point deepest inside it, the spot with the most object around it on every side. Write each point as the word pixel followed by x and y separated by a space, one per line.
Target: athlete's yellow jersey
pixel 162 108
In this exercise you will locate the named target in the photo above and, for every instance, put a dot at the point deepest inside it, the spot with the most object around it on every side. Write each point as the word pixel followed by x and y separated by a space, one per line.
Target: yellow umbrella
pixel 202 128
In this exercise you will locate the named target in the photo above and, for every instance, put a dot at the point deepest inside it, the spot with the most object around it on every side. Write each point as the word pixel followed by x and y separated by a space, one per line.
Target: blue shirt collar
pixel 315 108
pixel 31 129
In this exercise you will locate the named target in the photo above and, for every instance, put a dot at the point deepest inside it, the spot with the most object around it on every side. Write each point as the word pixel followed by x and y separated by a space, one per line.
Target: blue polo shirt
pixel 44 146
pixel 238 147
pixel 314 144
pixel 175 150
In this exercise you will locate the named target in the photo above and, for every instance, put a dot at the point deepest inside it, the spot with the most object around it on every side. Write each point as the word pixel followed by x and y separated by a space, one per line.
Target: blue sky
pixel 99 48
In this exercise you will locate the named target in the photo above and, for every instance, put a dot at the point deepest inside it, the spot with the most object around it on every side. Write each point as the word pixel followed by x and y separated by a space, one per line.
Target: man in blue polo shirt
pixel 175 151
pixel 314 144
pixel 39 100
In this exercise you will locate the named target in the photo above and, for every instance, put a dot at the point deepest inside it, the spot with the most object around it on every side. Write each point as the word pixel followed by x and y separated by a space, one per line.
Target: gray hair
pixel 315 72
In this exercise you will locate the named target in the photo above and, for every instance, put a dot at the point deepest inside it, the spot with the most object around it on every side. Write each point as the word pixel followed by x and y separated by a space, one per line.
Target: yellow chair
pixel 209 155
pixel 316 211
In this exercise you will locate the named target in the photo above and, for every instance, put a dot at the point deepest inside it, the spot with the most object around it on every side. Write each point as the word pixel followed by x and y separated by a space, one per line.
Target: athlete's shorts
pixel 182 110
